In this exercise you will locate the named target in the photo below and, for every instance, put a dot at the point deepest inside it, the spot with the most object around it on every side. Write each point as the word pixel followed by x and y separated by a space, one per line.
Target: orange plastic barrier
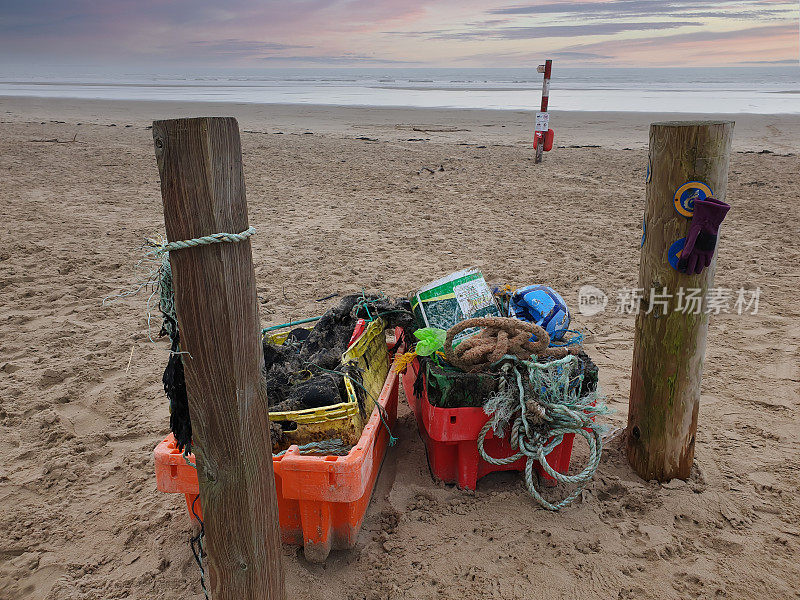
pixel 322 500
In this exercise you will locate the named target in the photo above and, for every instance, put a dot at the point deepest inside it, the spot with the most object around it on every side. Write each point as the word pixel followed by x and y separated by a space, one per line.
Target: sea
pixel 763 89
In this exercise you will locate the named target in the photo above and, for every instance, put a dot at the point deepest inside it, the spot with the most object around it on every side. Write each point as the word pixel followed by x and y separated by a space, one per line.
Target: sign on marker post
pixel 542 121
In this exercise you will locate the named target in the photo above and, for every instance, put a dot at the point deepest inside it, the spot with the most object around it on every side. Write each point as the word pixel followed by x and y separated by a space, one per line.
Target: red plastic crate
pixel 451 440
pixel 322 500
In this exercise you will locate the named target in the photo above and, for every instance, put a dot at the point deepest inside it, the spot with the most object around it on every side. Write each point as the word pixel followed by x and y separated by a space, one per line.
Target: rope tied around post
pixel 160 249
pixel 160 282
pixel 542 403
pixel 206 240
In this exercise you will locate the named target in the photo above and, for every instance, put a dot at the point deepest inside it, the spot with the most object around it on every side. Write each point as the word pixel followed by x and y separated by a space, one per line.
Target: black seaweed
pixel 305 371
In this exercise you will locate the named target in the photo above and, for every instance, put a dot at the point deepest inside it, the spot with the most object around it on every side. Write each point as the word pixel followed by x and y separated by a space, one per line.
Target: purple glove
pixel 702 239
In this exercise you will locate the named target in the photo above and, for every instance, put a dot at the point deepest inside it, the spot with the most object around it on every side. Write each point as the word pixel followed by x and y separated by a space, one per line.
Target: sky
pixel 402 33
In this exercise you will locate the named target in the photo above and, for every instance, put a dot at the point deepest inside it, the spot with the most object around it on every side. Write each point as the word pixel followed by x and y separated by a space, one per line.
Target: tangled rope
pixel 501 336
pixel 542 403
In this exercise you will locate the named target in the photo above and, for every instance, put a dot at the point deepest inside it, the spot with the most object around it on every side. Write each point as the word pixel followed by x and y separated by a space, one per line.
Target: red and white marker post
pixel 543 117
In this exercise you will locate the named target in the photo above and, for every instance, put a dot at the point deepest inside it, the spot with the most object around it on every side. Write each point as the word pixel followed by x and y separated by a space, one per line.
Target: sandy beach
pixel 389 199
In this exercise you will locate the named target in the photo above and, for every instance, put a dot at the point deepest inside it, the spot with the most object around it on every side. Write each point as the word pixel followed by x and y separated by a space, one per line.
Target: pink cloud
pixel 247 32
pixel 752 44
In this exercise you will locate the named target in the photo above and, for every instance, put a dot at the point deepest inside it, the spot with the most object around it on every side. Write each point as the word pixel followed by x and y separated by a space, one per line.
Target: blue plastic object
pixel 542 305
pixel 575 340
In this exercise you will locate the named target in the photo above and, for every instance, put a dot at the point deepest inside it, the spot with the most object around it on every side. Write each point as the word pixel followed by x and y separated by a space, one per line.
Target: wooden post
pixel 669 345
pixel 548 66
pixel 202 186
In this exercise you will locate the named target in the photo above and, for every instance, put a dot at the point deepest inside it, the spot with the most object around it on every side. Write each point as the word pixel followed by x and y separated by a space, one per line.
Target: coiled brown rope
pixel 500 336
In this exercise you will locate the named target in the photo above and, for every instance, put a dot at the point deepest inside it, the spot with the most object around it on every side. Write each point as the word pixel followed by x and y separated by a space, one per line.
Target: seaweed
pixel 449 387
pixel 303 372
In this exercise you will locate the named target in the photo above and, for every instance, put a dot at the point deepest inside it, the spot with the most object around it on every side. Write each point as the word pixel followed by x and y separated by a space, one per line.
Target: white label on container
pixel 542 121
pixel 473 296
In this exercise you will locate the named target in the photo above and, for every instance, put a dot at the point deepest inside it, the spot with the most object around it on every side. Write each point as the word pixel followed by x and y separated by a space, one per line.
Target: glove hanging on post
pixel 702 239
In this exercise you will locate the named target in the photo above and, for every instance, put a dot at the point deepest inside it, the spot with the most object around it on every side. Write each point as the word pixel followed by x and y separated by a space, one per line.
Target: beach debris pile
pixel 512 353
pixel 509 352
pixel 477 326
pixel 305 370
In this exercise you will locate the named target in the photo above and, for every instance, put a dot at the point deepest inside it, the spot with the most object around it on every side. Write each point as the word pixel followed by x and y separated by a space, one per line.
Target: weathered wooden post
pixel 686 159
pixel 202 186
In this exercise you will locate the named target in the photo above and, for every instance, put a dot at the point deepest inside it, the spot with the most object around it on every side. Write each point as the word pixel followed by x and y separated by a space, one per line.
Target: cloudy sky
pixel 410 33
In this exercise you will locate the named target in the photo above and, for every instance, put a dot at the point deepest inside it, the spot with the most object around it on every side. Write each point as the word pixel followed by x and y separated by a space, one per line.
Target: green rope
pixel 214 238
pixel 289 324
pixel 185 456
pixel 159 277
pixel 542 404
pixel 364 303
pixel 160 250
pixel 312 319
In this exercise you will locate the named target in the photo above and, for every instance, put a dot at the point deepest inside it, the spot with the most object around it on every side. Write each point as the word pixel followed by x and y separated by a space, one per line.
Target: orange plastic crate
pixel 322 500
